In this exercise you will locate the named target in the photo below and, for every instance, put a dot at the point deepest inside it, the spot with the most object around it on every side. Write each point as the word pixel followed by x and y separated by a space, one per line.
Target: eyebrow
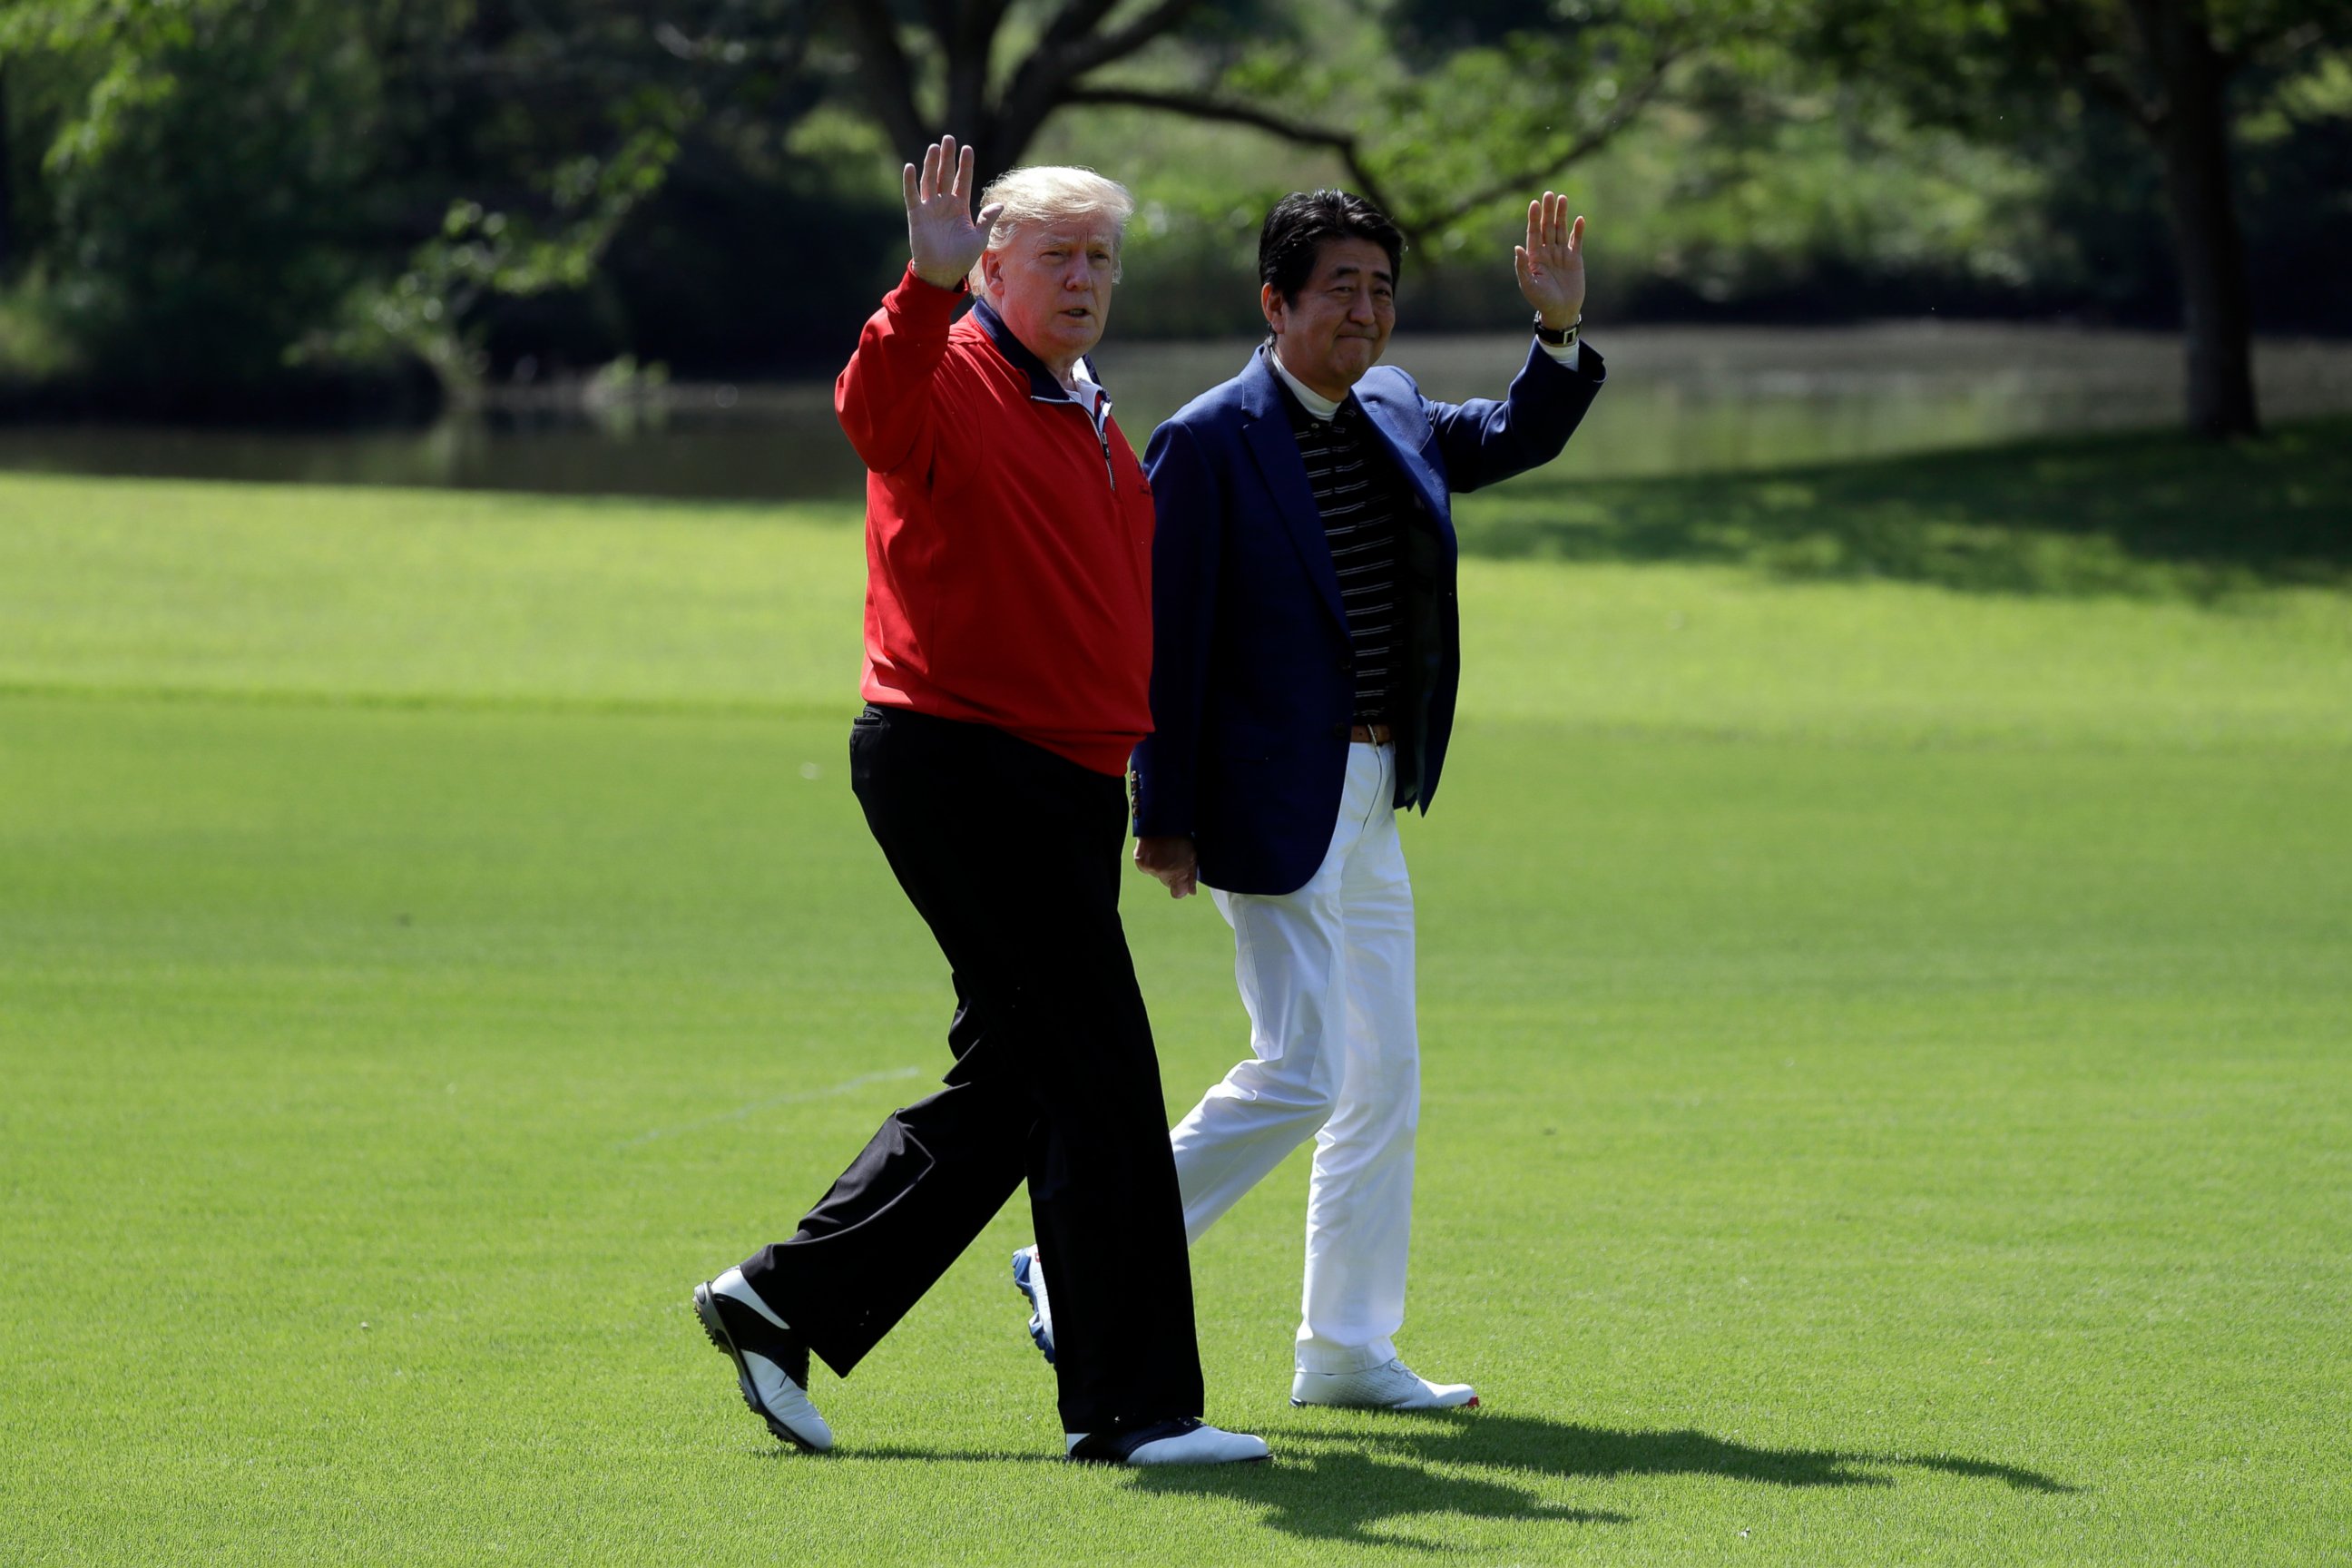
pixel 1379 274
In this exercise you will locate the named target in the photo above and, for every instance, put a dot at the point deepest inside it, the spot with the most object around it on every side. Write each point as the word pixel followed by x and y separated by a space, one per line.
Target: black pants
pixel 1012 857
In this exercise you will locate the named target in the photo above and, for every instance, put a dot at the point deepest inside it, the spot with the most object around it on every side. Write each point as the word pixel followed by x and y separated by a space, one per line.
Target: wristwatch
pixel 1562 338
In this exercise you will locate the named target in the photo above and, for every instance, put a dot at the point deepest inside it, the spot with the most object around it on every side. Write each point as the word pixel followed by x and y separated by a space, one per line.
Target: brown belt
pixel 1369 734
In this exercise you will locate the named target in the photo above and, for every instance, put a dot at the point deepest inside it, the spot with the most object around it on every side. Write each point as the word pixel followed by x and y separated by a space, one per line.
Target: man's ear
pixel 991 270
pixel 1272 306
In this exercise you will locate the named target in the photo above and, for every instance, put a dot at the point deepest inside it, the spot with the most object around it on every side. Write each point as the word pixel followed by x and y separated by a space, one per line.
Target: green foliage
pixel 433 307
pixel 212 194
pixel 1447 125
pixel 1762 194
pixel 1760 189
pixel 32 346
pixel 2007 68
pixel 203 192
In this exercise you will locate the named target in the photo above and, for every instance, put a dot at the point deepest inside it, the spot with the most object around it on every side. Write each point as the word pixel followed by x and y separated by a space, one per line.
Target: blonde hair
pixel 1048 194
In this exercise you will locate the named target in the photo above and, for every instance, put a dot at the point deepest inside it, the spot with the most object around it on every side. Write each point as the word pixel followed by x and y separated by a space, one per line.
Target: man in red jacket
pixel 1008 661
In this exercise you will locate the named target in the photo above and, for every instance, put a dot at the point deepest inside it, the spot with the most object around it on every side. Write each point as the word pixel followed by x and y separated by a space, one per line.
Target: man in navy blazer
pixel 1306 652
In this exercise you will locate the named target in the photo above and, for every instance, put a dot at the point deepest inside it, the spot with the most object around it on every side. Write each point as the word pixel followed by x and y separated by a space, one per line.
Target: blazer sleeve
pixel 1484 441
pixel 883 396
pixel 1188 503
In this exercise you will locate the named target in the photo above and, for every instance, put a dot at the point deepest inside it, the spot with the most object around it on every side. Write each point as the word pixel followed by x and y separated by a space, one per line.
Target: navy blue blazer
pixel 1253 678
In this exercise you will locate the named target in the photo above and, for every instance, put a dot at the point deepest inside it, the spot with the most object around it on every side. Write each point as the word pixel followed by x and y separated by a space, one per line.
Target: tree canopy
pixel 203 193
pixel 2181 73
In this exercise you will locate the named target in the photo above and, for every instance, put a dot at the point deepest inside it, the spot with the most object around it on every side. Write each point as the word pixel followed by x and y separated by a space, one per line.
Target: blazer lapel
pixel 1405 430
pixel 1274 446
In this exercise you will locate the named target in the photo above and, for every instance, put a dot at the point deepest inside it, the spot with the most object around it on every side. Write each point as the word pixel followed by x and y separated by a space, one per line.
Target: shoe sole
pixel 1469 1404
pixel 715 1330
pixel 1267 1458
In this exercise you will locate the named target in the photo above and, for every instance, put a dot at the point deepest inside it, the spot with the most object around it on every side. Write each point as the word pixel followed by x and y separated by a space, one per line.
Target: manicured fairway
pixel 1888 1056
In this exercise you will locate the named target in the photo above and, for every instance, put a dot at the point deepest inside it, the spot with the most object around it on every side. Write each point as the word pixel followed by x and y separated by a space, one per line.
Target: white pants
pixel 1327 976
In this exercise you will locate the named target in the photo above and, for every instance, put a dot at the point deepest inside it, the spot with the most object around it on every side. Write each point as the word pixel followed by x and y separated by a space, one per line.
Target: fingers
pixel 1551 240
pixel 1552 235
pixel 1172 861
pixel 941 165
pixel 946 172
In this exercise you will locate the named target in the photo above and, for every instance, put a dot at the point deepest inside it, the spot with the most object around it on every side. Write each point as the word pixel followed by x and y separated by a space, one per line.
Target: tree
pixel 1437 117
pixel 2180 71
pixel 1447 110
pixel 202 185
pixel 7 183
pixel 1438 113
pixel 955 43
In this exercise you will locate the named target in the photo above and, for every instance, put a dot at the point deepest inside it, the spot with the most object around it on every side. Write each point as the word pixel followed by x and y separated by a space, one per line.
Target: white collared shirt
pixel 1090 395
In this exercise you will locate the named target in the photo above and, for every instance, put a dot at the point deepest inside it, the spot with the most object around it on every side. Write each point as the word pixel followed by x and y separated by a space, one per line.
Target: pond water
pixel 1680 400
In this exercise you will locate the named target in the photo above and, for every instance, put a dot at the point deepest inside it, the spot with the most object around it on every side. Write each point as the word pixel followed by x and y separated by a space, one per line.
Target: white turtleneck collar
pixel 1314 402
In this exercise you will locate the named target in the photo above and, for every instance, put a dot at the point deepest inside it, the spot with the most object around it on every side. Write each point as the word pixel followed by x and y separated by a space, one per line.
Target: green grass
pixel 1888 1089
pixel 2150 516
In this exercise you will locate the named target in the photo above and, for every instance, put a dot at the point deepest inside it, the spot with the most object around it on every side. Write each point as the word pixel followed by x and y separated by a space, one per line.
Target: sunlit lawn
pixel 1888 1042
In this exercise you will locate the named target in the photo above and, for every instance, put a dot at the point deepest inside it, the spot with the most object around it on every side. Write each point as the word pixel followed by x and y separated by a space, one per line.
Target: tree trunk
pixel 7 187
pixel 888 75
pixel 2194 138
pixel 965 39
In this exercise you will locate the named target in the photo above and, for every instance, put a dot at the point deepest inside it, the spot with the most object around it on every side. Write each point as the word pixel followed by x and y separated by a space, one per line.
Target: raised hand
pixel 941 231
pixel 1551 263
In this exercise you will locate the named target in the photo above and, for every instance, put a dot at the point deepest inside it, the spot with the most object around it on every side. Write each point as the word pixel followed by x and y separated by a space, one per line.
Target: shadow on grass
pixel 1337 1485
pixel 2155 515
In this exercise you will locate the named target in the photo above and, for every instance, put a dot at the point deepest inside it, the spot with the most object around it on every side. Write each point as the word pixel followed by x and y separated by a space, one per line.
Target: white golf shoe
pixel 1029 1278
pixel 1188 1441
pixel 1391 1387
pixel 770 1362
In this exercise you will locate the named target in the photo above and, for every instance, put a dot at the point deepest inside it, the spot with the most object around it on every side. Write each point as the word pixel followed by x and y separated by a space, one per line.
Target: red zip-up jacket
pixel 1008 546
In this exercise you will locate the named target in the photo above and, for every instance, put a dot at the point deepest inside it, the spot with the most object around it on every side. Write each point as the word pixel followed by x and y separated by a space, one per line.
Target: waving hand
pixel 940 230
pixel 1551 263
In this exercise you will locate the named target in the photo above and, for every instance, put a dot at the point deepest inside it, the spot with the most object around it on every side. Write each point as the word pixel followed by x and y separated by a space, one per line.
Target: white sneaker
pixel 770 1362
pixel 1189 1441
pixel 1391 1387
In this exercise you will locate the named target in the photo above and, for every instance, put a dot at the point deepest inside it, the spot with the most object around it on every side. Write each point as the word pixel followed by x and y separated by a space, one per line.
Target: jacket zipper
pixel 1102 435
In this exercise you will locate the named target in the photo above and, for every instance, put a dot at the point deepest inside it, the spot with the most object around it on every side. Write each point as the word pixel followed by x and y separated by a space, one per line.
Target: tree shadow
pixel 1339 1486
pixel 1342 1493
pixel 2140 515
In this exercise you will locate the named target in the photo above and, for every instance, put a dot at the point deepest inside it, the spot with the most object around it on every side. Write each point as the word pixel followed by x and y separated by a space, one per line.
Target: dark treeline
pixel 257 209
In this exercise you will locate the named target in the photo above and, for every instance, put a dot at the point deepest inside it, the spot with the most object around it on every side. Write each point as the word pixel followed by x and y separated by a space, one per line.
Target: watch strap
pixel 1563 337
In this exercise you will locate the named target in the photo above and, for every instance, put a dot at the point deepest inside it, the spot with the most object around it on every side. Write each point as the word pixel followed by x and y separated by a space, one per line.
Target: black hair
pixel 1301 222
